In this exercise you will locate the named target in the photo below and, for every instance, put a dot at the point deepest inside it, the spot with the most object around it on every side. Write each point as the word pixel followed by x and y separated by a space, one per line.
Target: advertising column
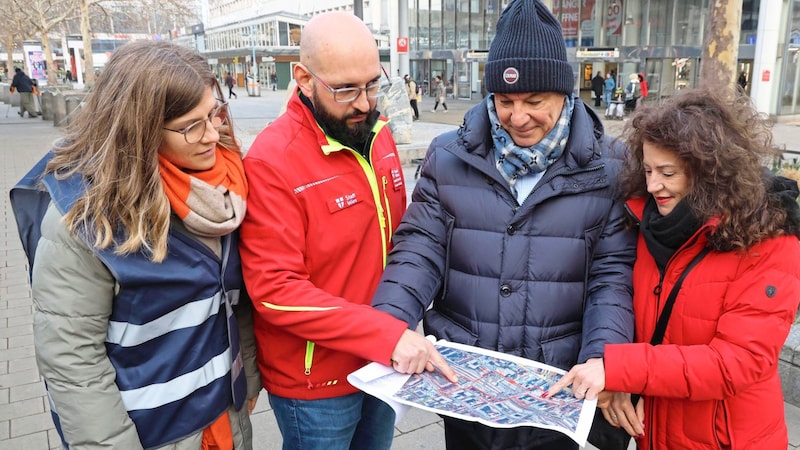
pixel 34 60
pixel 75 47
pixel 763 88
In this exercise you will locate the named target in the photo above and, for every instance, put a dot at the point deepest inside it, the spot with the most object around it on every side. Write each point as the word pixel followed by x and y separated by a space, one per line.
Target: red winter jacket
pixel 714 382
pixel 313 245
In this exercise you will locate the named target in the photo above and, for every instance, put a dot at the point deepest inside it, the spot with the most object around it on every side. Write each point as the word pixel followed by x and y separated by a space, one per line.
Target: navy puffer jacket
pixel 548 280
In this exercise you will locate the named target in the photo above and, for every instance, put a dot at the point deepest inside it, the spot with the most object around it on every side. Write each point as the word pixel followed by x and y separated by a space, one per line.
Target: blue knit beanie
pixel 528 52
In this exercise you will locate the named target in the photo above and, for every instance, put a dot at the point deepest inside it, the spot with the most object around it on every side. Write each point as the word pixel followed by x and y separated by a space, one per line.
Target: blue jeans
pixel 356 422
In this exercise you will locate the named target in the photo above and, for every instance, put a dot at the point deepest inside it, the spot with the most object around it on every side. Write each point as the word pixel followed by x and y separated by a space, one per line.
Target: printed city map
pixel 495 389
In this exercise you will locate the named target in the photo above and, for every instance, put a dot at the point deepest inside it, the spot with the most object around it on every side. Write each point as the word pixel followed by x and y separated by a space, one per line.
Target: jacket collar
pixel 300 112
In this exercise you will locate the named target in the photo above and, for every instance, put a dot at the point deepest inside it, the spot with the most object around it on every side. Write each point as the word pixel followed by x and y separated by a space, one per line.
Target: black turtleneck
pixel 664 235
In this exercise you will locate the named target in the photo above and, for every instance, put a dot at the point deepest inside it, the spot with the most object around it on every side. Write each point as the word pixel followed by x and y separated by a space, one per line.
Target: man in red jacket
pixel 326 194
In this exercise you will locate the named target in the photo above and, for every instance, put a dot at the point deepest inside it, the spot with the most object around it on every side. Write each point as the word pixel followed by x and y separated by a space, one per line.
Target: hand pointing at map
pixel 587 380
pixel 414 354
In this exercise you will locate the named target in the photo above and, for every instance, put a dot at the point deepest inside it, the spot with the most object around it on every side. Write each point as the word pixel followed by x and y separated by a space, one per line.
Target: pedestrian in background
pixel 643 88
pixel 441 94
pixel 610 87
pixel 142 326
pixel 230 83
pixel 411 91
pixel 327 192
pixel 515 240
pixel 710 214
pixel 597 88
pixel 273 79
pixel 24 85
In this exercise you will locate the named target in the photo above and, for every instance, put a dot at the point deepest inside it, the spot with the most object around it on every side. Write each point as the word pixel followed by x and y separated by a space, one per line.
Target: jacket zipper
pixel 372 179
pixel 309 357
pixel 388 213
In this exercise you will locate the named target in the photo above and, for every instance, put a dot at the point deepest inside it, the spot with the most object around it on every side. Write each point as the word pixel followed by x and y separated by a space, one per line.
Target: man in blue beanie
pixel 515 240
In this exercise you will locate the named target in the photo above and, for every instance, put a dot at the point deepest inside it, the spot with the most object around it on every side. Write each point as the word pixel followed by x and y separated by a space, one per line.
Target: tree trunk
pixel 9 45
pixel 86 34
pixel 721 46
pixel 48 58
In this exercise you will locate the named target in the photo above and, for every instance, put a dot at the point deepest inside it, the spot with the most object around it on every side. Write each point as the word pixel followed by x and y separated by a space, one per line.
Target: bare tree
pixel 11 30
pixel 721 43
pixel 41 18
pixel 163 15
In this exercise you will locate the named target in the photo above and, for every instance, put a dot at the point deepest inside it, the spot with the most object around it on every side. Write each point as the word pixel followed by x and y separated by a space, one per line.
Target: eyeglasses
pixel 349 94
pixel 196 130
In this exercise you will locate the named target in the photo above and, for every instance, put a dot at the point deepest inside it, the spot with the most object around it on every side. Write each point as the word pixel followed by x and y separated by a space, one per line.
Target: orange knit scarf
pixel 211 202
pixel 218 435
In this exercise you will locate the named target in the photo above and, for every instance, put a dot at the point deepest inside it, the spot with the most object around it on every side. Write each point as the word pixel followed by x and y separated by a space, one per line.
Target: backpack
pixel 636 90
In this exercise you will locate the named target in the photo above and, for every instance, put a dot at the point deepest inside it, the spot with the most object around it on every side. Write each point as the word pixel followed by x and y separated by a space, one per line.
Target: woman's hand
pixel 622 413
pixel 251 404
pixel 587 380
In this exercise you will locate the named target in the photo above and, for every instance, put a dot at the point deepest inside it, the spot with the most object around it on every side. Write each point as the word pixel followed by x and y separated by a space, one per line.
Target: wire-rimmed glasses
pixel 196 130
pixel 349 94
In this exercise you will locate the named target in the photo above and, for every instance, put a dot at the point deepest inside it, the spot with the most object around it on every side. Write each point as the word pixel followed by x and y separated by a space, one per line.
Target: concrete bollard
pixel 72 105
pixel 59 110
pixel 47 105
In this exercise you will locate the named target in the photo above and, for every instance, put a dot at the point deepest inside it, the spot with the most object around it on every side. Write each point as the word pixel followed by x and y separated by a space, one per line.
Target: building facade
pixel 250 38
pixel 662 39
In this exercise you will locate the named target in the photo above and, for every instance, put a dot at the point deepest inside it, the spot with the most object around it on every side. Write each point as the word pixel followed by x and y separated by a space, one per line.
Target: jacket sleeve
pixel 416 264
pixel 247 340
pixel 273 251
pixel 608 312
pixel 758 310
pixel 72 295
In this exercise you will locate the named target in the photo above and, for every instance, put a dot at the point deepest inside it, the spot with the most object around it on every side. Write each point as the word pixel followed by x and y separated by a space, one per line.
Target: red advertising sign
pixel 570 17
pixel 614 17
pixel 402 45
pixel 587 18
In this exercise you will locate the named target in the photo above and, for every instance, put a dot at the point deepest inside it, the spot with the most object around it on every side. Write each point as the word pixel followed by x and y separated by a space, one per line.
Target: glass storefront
pixel 661 38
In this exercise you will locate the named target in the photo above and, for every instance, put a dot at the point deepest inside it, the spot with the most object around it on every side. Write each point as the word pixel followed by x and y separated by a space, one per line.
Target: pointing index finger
pixel 565 381
pixel 437 362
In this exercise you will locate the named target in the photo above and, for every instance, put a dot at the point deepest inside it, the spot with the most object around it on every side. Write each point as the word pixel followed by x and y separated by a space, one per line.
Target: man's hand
pixel 413 354
pixel 587 380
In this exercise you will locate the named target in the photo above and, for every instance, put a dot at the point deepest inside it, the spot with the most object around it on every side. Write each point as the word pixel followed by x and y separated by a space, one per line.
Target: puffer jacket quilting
pixel 511 277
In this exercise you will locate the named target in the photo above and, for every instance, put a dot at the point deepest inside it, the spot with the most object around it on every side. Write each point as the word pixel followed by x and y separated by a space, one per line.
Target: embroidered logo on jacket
pixel 342 202
pixel 397 180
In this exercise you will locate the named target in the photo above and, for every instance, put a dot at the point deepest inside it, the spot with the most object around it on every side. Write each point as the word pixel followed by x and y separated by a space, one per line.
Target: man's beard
pixel 354 136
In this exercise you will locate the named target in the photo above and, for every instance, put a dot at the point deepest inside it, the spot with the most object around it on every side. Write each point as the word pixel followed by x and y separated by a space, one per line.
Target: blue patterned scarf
pixel 514 161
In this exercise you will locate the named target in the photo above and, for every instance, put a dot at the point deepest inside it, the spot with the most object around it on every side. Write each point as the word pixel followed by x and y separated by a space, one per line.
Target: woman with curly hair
pixel 142 325
pixel 710 214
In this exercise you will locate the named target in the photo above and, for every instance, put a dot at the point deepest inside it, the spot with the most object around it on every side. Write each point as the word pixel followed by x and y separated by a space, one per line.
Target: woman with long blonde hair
pixel 142 324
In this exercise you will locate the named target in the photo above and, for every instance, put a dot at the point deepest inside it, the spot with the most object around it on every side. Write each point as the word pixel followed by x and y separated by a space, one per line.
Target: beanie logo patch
pixel 511 75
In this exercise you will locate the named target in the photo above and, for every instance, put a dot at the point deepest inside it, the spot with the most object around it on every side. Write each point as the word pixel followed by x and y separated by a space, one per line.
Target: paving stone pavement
pixel 25 422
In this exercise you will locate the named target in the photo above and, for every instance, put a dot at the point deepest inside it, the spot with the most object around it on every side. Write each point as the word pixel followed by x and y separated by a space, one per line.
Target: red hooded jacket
pixel 713 383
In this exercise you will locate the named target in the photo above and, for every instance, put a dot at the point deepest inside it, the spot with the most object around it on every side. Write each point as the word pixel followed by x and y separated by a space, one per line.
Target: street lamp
pixel 253 45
